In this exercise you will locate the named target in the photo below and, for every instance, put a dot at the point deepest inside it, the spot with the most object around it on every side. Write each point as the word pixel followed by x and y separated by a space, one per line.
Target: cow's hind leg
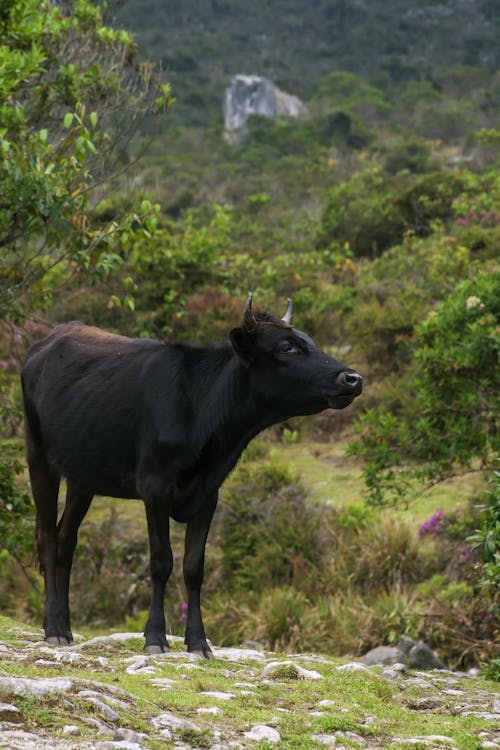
pixel 193 567
pixel 45 488
pixel 161 563
pixel 77 505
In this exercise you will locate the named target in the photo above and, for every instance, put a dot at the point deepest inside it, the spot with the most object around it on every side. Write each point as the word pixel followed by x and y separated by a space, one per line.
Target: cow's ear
pixel 242 344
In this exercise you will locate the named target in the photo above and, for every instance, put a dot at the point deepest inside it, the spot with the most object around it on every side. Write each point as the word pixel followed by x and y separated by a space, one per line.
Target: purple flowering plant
pixel 435 526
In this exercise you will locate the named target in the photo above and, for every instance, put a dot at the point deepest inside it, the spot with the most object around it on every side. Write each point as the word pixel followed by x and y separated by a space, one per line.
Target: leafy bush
pixel 71 98
pixel 451 417
pixel 362 212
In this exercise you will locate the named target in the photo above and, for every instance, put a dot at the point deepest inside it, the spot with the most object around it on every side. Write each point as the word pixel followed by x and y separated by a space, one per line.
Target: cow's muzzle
pixel 349 384
pixel 351 381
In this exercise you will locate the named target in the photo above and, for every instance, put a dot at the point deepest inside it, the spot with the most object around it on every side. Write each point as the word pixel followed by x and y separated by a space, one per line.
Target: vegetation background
pixel 379 215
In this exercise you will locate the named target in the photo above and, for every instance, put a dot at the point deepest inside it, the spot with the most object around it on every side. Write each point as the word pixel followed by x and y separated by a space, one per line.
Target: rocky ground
pixel 104 693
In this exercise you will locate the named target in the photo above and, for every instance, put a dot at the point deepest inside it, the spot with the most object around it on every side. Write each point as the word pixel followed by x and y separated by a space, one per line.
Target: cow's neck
pixel 228 412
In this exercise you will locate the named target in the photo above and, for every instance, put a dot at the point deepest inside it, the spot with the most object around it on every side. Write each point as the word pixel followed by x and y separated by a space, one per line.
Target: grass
pixel 365 703
pixel 330 475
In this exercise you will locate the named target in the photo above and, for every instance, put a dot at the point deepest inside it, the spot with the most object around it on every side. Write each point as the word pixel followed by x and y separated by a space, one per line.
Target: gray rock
pixel 239 654
pixel 352 666
pixel 211 710
pixel 416 655
pixel 218 695
pixel 10 713
pixel 129 735
pixel 289 670
pixel 35 687
pixel 102 708
pixel 169 721
pixel 72 730
pixel 261 732
pixel 99 725
pixel 254 95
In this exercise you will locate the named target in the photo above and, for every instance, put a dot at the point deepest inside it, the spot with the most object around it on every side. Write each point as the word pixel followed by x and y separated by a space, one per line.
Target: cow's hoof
pixel 58 640
pixel 156 649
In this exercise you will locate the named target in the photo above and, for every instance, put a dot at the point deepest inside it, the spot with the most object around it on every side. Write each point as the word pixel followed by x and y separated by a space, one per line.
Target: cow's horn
pixel 287 317
pixel 248 316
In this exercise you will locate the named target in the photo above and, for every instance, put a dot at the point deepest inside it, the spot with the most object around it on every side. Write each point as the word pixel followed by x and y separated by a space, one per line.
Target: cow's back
pixel 84 392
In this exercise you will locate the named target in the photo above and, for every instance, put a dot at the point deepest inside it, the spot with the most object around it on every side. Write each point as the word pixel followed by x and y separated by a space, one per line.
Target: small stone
pixel 391 673
pixel 164 683
pixel 109 698
pixel 419 682
pixel 239 654
pixel 99 725
pixel 10 713
pixel 108 640
pixel 129 735
pixel 212 710
pixel 71 729
pixel 262 732
pixel 352 666
pixel 428 703
pixel 487 715
pixel 101 661
pixel 399 667
pixel 139 663
pixel 324 739
pixel 35 687
pixel 288 670
pixel 106 711
pixel 218 695
pixel 168 720
pixel 68 657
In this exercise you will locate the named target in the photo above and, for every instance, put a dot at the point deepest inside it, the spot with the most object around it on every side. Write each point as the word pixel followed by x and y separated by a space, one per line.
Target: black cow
pixel 136 418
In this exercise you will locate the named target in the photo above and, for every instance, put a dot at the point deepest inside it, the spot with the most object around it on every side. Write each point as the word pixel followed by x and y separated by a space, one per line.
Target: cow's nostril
pixel 352 379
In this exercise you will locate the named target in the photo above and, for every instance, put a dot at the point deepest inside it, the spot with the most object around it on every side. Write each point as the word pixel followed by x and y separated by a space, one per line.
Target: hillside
pixel 104 693
pixel 295 43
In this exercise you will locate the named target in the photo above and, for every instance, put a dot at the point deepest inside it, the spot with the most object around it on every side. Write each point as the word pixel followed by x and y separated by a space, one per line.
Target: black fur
pixel 166 423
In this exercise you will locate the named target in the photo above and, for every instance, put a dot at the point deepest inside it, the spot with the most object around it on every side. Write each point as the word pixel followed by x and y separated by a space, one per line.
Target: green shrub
pixel 449 419
pixel 362 212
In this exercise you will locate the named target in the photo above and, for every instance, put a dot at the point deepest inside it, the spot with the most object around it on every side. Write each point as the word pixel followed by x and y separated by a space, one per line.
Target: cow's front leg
pixel 161 562
pixel 193 568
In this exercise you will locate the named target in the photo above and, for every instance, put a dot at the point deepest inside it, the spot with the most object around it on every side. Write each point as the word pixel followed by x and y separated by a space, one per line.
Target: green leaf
pixel 93 119
pixel 44 134
pixel 68 119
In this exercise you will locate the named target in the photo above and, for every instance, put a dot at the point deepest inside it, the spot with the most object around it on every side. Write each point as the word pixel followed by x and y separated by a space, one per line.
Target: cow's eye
pixel 286 347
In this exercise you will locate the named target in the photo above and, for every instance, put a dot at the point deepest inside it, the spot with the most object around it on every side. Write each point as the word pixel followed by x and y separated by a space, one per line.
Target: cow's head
pixel 288 372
